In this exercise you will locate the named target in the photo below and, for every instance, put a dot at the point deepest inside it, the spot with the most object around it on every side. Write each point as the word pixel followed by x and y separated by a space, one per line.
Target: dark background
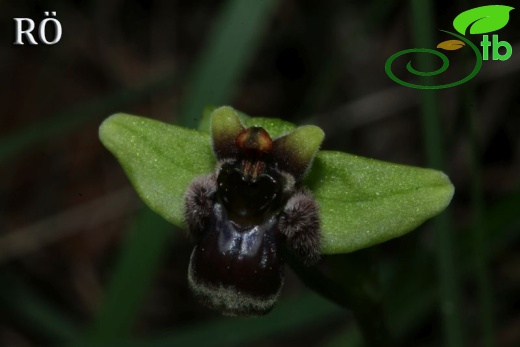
pixel 68 216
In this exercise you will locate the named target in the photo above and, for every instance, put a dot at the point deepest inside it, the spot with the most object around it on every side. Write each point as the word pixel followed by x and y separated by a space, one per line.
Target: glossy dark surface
pixel 248 260
pixel 248 201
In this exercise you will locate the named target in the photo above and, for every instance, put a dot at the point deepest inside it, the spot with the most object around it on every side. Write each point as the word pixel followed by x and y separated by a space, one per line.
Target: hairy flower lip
pixel 244 214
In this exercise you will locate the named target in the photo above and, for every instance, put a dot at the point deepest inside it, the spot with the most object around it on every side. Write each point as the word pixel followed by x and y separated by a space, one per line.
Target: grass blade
pixel 423 29
pixel 141 254
pixel 225 57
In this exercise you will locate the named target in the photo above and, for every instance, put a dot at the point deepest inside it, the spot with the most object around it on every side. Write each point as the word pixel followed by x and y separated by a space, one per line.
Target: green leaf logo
pixel 482 20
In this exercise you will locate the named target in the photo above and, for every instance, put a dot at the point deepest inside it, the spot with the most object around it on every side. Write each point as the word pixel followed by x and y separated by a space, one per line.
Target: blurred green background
pixel 83 262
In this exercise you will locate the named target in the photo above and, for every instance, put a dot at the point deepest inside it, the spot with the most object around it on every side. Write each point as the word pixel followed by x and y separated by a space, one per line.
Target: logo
pixel 479 20
pixel 20 32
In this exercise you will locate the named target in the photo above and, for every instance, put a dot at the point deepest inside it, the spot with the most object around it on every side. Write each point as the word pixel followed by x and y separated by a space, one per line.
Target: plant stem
pixel 353 286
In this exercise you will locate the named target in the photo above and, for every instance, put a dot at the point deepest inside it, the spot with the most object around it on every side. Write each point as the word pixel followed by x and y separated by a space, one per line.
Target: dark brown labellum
pixel 242 217
pixel 238 272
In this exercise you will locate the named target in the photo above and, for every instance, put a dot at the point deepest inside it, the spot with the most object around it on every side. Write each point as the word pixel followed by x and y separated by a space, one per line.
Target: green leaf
pixel 362 201
pixel 366 201
pixel 159 159
pixel 482 20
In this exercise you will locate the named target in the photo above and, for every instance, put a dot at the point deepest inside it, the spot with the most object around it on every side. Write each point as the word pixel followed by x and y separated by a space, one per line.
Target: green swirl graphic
pixel 445 65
